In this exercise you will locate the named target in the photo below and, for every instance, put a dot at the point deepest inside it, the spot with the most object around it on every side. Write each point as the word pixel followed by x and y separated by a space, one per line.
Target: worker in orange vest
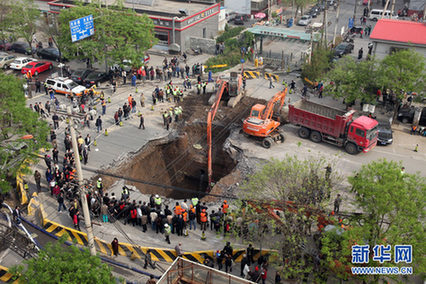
pixel 178 209
pixel 225 207
pixel 203 218
pixel 185 222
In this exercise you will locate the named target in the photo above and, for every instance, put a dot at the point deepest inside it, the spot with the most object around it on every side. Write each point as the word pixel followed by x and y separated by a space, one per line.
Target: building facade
pixel 392 35
pixel 175 22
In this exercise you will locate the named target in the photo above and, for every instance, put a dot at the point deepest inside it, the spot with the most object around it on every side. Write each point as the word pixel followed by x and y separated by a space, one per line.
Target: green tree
pixel 403 71
pixel 393 209
pixel 17 120
pixel 22 19
pixel 58 263
pixel 319 64
pixel 353 80
pixel 301 189
pixel 119 34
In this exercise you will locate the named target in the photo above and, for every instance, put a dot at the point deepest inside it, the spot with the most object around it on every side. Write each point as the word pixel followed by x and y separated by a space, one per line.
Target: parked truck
pixel 334 126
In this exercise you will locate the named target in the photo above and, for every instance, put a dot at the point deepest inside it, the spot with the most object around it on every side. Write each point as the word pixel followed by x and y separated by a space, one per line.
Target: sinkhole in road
pixel 181 158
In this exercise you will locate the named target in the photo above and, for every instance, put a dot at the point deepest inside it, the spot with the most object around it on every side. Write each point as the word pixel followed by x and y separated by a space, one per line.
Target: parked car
pixel 22 47
pixel 314 12
pixel 239 20
pixel 6 59
pixel 343 49
pixel 65 86
pixel 406 115
pixel 49 53
pixel 79 75
pixel 356 30
pixel 20 62
pixel 4 45
pixel 385 133
pixel 95 78
pixel 37 67
pixel 305 20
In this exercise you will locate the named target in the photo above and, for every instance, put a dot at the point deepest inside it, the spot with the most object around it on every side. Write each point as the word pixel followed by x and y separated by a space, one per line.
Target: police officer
pixel 204 87
pixel 198 88
pixel 157 201
pixel 99 186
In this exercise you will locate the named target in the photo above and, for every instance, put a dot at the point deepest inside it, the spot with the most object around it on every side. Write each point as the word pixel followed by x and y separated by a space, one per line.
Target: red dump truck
pixel 334 126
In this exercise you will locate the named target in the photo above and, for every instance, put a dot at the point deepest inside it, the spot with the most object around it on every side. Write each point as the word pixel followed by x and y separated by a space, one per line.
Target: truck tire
pixel 316 137
pixel 351 148
pixel 281 137
pixel 267 142
pixel 304 132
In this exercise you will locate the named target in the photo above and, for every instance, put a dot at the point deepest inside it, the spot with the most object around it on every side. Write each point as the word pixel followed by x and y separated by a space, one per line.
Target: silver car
pixel 305 20
pixel 6 59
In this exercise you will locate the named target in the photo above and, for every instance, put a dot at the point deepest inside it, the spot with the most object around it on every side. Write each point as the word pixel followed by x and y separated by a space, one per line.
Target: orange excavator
pixel 223 86
pixel 261 123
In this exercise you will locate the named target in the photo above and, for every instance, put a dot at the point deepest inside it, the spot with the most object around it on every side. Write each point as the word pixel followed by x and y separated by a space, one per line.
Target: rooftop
pixel 164 8
pixel 400 31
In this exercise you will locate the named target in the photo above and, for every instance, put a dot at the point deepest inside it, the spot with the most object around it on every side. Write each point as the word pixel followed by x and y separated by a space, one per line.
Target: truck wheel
pixel 316 137
pixel 304 132
pixel 351 148
pixel 281 137
pixel 267 143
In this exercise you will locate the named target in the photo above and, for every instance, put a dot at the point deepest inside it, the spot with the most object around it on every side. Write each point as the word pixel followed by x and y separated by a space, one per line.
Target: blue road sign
pixel 242 60
pixel 351 23
pixel 82 28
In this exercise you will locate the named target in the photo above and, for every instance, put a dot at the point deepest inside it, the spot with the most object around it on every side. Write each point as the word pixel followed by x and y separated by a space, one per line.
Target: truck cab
pixel 363 132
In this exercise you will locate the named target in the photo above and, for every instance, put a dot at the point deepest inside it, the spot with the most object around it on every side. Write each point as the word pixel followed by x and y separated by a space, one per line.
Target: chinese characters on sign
pixel 382 253
pixel 82 28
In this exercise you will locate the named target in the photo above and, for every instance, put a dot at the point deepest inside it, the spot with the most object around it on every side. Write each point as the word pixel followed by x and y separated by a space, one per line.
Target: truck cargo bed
pixel 327 120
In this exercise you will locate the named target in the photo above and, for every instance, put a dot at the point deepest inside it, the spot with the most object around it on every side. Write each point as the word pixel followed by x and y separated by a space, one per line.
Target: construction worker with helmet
pixel 225 207
pixel 157 201
pixel 203 218
pixel 99 186
pixel 178 209
pixel 198 88
pixel 167 231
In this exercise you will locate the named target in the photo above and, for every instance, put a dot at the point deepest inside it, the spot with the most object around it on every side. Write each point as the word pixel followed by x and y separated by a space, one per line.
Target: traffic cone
pixel 95 143
pixel 106 132
pixel 152 108
pixel 136 90
pixel 203 236
pixel 109 100
pixel 121 123
pixel 186 232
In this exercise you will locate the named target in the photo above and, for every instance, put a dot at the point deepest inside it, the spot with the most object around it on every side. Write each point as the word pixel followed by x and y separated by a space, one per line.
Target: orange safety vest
pixel 185 216
pixel 192 209
pixel 225 208
pixel 178 210
pixel 203 217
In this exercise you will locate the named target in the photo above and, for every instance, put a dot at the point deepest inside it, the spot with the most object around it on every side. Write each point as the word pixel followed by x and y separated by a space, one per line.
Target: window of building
pixel 204 33
pixel 395 49
pixel 162 38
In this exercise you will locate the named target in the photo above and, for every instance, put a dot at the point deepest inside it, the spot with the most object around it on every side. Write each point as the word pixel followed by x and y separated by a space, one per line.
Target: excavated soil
pixel 175 161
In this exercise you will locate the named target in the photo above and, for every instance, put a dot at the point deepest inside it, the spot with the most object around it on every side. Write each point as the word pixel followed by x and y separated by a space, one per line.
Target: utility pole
pixel 356 4
pixel 392 9
pixel 269 10
pixel 325 26
pixel 337 22
pixel 384 10
pixel 83 198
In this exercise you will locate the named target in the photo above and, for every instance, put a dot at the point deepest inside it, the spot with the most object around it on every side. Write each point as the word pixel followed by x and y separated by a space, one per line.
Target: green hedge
pixel 229 34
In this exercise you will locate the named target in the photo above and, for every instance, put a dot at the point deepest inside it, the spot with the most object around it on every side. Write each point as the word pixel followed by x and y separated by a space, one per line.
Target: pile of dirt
pixel 181 159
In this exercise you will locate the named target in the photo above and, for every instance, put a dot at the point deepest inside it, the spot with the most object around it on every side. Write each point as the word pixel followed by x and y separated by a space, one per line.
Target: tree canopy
pixel 401 71
pixel 119 34
pixel 58 263
pixel 19 20
pixel 353 80
pixel 17 120
pixel 392 207
pixel 319 64
pixel 301 188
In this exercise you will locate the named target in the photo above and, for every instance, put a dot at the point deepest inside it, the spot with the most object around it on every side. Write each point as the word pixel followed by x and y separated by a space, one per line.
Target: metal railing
pixel 186 271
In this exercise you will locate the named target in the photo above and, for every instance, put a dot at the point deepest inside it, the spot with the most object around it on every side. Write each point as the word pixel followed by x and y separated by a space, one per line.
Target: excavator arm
pixel 279 97
pixel 210 117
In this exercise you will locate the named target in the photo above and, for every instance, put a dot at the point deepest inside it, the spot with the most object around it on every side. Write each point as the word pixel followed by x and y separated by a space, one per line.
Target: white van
pixel 376 14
